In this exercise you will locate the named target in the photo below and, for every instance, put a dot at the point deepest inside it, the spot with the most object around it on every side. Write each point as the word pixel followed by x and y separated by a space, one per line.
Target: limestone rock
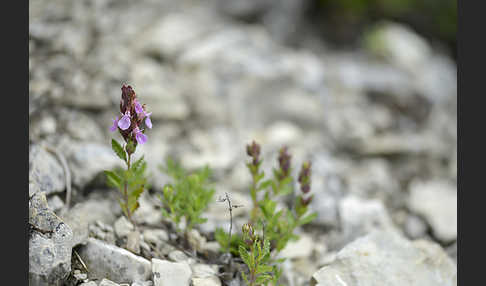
pixel 166 273
pixel 387 258
pixel 117 264
pixel 50 244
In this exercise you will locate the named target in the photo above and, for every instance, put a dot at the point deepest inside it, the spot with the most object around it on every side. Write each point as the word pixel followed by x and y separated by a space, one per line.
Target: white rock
pixel 172 34
pixel 166 273
pixel 360 216
pixel 162 90
pixel 400 45
pixel 200 270
pixel 386 258
pixel 86 213
pixel 415 227
pixel 55 203
pixel 106 282
pixel 144 283
pixel 87 159
pixel 206 281
pixel 155 236
pixel 117 264
pixel 196 240
pixel 45 170
pixel 123 227
pixel 147 213
pixel 50 244
pixel 178 256
pixel 300 248
pixel 437 202
pixel 90 283
pixel 282 133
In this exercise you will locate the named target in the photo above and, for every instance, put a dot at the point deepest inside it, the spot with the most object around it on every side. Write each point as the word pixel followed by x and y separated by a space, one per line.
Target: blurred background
pixel 365 89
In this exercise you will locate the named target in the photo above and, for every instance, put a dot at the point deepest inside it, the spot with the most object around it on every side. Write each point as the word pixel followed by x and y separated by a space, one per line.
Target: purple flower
pixel 148 122
pixel 115 124
pixel 125 122
pixel 138 107
pixel 139 136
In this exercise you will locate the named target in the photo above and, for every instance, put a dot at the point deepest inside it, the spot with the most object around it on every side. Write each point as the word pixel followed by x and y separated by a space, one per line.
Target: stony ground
pixel 378 124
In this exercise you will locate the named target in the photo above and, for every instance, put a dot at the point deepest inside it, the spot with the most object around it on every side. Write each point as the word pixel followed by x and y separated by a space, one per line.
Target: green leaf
pixel 260 176
pixel 118 149
pixel 266 246
pixel 245 255
pixel 113 180
pixel 135 166
pixel 265 184
pixel 307 219
pixel 244 277
pixel 264 268
pixel 263 278
pixel 133 199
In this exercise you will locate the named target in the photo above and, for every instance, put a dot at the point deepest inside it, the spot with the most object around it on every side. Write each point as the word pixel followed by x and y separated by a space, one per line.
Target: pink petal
pixel 115 125
pixel 124 122
pixel 148 122
pixel 138 107
pixel 141 138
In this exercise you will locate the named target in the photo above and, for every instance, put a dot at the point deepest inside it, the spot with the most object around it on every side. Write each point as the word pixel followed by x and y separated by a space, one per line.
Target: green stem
pixel 125 191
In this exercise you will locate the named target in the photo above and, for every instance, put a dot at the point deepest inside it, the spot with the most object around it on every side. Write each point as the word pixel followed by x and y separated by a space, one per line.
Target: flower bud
pixel 284 162
pixel 253 151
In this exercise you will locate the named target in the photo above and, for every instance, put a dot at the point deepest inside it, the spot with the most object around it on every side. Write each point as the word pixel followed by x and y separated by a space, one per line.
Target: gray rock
pixel 372 178
pixel 196 240
pixel 178 256
pixel 216 147
pixel 88 159
pixel 133 242
pixel 155 236
pixel 33 188
pixel 86 213
pixel 50 244
pixel 206 281
pixel 106 282
pixel 436 201
pixel 123 227
pixel 45 170
pixel 360 216
pixel 147 212
pixel 162 90
pixel 166 273
pixel 399 45
pixel 102 231
pixel 90 283
pixel 117 264
pixel 81 126
pixel 452 251
pixel 415 227
pixel 386 258
pixel 55 203
pixel 200 270
pixel 182 28
pixel 298 249
pixel 143 283
pixel 245 9
pixel 80 276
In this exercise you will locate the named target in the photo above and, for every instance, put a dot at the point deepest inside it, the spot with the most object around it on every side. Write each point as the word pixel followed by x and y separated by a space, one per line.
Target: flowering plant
pixel 130 123
pixel 277 224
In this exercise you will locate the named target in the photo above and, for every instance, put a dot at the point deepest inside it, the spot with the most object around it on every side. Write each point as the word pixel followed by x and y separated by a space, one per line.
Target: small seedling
pixel 255 252
pixel 132 181
pixel 187 196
